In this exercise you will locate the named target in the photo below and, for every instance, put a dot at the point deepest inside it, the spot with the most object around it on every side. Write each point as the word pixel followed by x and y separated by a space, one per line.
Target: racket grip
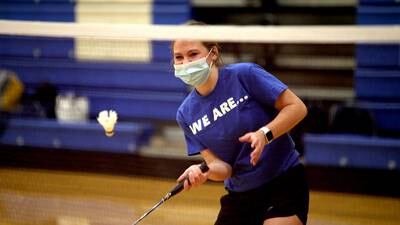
pixel 179 187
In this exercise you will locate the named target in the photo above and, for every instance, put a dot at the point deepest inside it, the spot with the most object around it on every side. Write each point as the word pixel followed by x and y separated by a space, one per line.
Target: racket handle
pixel 179 187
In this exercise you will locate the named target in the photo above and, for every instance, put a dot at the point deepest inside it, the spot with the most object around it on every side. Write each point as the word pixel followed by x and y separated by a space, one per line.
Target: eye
pixel 192 54
pixel 178 57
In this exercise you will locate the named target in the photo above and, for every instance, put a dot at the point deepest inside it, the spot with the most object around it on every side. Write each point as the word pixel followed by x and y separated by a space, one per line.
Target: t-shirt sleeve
pixel 194 146
pixel 262 85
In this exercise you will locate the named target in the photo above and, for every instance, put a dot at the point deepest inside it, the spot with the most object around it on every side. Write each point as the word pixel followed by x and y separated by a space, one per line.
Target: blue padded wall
pixel 377 84
pixel 162 52
pixel 171 13
pixel 38 60
pixel 377 76
pixel 45 10
pixel 379 2
pixel 151 106
pixel 36 47
pixel 163 12
pixel 123 76
pixel 352 151
pixel 378 14
pixel 136 90
pixel 385 55
pixel 386 115
pixel 168 12
pixel 128 138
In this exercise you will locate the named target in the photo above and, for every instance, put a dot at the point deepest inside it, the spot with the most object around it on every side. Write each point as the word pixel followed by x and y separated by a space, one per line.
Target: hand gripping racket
pixel 178 188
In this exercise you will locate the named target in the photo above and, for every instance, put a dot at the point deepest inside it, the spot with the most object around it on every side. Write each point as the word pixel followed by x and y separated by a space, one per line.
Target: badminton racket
pixel 178 188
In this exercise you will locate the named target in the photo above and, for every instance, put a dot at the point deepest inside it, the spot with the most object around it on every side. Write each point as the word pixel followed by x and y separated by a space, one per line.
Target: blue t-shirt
pixel 242 101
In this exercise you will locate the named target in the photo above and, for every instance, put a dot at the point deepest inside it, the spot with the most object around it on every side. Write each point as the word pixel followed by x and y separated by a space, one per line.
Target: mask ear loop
pixel 212 61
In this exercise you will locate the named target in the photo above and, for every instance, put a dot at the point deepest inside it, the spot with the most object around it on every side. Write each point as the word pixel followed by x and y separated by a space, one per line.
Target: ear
pixel 215 53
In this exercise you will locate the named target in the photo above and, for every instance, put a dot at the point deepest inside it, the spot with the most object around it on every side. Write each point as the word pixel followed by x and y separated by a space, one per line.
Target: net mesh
pixel 113 50
pixel 128 68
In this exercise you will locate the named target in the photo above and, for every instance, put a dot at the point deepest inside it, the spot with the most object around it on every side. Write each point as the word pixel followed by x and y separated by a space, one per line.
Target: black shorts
pixel 286 195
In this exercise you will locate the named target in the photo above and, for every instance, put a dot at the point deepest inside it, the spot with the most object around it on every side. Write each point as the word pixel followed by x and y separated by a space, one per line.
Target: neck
pixel 209 85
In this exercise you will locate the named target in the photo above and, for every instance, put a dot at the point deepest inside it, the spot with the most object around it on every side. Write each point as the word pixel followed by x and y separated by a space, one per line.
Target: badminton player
pixel 238 117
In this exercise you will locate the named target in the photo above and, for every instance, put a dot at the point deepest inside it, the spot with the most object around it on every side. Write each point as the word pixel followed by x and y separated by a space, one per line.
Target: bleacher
pixel 349 150
pixel 141 88
pixel 80 136
pixel 129 88
pixel 376 84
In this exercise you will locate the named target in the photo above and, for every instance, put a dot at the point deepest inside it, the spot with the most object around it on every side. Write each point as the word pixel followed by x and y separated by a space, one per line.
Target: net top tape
pixel 332 34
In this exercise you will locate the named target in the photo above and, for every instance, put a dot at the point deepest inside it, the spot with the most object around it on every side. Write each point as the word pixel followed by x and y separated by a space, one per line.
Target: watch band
pixel 268 134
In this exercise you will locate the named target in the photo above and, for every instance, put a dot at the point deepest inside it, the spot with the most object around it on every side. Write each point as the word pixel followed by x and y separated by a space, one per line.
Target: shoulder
pixel 236 71
pixel 245 71
pixel 240 67
pixel 184 107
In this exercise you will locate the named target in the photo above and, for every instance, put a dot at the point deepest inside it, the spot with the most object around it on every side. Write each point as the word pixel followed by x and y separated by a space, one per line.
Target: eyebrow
pixel 189 51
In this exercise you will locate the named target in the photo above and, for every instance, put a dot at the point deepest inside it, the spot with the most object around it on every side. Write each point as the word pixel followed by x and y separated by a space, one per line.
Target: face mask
pixel 194 73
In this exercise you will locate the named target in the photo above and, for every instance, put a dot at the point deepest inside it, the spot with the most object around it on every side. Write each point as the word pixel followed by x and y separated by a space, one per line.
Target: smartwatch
pixel 268 134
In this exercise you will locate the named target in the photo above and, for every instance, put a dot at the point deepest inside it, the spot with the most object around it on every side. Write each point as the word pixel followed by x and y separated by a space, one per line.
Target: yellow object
pixel 11 92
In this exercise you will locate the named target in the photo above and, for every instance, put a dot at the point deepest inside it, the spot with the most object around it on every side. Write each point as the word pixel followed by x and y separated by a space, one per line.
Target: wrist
pixel 269 137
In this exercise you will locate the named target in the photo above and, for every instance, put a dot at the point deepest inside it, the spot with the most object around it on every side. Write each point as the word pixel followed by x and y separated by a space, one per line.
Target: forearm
pixel 218 169
pixel 219 172
pixel 289 115
pixel 287 118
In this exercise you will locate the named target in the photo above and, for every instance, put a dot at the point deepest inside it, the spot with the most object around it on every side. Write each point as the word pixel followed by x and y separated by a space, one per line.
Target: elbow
pixel 226 171
pixel 302 110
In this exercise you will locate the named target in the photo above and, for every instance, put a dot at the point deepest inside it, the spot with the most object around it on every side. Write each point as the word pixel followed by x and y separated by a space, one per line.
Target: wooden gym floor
pixel 46 197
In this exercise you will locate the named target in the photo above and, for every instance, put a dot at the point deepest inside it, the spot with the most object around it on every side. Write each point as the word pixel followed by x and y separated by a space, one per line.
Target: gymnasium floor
pixel 47 197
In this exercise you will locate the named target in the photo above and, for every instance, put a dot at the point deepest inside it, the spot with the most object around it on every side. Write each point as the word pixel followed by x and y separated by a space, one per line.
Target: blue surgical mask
pixel 194 73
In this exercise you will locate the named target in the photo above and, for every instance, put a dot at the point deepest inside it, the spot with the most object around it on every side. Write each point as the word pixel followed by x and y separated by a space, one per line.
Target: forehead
pixel 186 45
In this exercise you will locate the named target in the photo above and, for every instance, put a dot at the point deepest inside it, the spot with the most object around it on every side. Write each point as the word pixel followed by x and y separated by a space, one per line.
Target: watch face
pixel 269 136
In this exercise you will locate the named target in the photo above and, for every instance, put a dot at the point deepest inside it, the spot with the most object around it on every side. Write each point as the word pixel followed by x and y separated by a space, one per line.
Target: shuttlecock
pixel 108 119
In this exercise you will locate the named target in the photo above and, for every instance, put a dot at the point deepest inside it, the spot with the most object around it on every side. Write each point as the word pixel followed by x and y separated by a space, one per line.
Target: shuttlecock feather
pixel 107 120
